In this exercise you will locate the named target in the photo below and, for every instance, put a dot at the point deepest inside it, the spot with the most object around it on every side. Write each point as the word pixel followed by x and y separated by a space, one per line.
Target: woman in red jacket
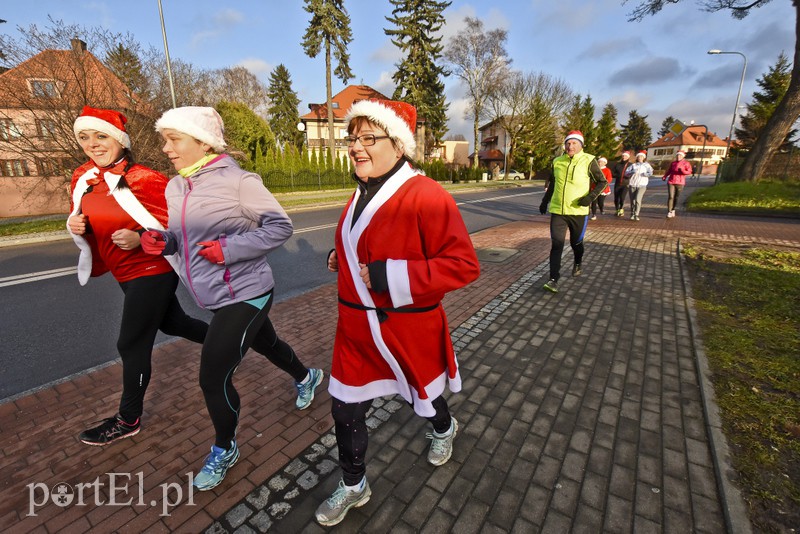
pixel 114 200
pixel 676 179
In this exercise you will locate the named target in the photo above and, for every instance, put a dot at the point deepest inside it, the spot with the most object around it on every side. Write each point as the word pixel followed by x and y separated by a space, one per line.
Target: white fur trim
pixel 387 119
pixel 574 136
pixel 86 122
pixel 399 283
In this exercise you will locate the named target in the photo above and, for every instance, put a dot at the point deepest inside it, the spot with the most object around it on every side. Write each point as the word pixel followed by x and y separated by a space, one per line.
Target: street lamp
pixel 166 53
pixel 738 95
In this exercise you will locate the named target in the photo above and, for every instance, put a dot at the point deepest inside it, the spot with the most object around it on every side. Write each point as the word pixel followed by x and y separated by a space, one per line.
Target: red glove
pixel 152 242
pixel 212 251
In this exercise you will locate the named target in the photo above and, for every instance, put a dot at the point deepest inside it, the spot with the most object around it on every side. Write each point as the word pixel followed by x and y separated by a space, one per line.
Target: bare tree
pixel 237 84
pixel 480 60
pixel 788 110
pixel 529 106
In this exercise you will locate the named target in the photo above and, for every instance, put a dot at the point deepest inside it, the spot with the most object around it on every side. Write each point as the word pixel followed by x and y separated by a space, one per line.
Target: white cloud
pixel 257 66
pixel 221 22
pixel 385 84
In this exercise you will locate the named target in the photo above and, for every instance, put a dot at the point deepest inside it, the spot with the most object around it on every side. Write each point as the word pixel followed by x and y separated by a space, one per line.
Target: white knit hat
pixel 574 134
pixel 398 119
pixel 202 123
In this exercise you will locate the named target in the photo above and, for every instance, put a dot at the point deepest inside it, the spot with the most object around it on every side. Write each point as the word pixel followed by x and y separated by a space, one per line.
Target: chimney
pixel 78 45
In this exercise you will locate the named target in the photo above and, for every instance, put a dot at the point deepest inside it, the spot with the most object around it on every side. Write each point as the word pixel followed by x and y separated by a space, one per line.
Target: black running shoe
pixel 109 431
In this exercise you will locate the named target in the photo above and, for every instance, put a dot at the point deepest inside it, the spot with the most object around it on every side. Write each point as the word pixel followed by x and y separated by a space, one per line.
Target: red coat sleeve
pixel 450 261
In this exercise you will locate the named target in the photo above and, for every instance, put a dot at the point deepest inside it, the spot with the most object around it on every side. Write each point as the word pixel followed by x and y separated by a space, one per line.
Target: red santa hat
pixel 641 153
pixel 574 134
pixel 681 152
pixel 398 119
pixel 108 121
pixel 627 153
pixel 201 122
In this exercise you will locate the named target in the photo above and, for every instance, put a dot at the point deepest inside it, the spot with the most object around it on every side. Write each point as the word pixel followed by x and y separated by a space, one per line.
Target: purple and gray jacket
pixel 223 202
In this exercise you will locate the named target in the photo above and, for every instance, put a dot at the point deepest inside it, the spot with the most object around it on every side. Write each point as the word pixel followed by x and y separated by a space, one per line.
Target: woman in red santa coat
pixel 401 245
pixel 113 201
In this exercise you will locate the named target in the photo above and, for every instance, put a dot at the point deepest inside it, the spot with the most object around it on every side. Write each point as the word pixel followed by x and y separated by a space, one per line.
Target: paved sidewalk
pixel 581 411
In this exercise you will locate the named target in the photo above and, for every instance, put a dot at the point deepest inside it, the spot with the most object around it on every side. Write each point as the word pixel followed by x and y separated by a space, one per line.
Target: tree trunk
pixel 780 123
pixel 329 101
pixel 475 159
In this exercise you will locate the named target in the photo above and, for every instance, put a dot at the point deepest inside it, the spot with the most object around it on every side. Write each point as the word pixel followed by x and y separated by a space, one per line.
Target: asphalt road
pixel 53 328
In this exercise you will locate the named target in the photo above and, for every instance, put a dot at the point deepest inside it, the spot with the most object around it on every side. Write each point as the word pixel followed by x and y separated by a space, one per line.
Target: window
pixel 43 88
pixel 9 130
pixel 51 167
pixel 46 128
pixel 14 167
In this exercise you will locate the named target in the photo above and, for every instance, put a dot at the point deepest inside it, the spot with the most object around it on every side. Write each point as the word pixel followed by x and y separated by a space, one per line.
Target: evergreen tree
pixel 125 63
pixel 665 126
pixel 606 133
pixel 636 135
pixel 581 117
pixel 245 131
pixel 283 113
pixel 419 74
pixel 773 84
pixel 329 29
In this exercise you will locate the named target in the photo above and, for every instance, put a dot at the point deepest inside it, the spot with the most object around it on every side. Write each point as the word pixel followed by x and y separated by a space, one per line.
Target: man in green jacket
pixel 570 195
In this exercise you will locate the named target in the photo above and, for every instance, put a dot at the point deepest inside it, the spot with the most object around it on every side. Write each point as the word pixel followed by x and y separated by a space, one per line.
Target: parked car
pixel 514 175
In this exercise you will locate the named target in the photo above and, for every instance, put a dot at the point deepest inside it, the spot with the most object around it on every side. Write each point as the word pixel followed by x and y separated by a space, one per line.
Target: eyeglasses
pixel 365 140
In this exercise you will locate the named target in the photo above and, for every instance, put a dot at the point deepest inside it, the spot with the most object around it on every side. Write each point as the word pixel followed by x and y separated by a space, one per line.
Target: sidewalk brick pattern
pixel 581 411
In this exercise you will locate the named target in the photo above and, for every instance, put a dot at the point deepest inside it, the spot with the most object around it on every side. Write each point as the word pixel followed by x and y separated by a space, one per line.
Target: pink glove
pixel 212 251
pixel 153 242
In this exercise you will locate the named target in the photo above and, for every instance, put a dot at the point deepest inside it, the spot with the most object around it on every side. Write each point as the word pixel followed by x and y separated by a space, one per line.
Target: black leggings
pixel 233 329
pixel 350 424
pixel 149 305
pixel 559 224
pixel 619 195
pixel 598 202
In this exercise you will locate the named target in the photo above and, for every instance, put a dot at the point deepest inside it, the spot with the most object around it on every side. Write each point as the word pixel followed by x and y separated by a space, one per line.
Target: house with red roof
pixel 698 144
pixel 491 154
pixel 39 100
pixel 315 122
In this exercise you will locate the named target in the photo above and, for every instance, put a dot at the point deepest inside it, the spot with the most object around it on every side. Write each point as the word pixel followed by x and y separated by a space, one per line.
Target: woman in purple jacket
pixel 676 179
pixel 222 223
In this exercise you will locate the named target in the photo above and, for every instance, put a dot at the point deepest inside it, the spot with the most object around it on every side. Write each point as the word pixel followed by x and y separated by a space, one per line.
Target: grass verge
pixel 763 197
pixel 747 306
pixel 33 227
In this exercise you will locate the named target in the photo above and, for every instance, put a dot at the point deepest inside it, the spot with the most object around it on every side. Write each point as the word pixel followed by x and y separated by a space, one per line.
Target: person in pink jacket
pixel 676 179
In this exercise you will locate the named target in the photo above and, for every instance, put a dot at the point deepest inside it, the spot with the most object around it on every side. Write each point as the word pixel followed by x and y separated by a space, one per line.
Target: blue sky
pixel 658 66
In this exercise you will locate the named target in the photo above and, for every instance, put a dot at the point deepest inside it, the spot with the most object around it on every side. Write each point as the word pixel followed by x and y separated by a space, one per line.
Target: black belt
pixel 383 313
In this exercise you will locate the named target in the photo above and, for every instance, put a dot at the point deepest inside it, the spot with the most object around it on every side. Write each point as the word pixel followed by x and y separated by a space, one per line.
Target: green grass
pixel 765 196
pixel 750 321
pixel 32 227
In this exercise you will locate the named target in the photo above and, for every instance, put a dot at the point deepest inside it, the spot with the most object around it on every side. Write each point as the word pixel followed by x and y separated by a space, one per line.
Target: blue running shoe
pixel 305 392
pixel 217 464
